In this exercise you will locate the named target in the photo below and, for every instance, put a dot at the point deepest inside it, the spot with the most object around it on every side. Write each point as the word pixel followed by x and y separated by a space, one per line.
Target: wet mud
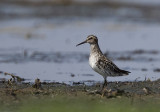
pixel 16 92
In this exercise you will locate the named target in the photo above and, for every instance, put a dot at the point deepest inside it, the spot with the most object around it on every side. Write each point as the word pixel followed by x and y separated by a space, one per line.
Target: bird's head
pixel 91 39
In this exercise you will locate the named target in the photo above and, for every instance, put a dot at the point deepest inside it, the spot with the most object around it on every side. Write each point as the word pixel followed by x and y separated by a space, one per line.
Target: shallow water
pixel 58 59
pixel 46 48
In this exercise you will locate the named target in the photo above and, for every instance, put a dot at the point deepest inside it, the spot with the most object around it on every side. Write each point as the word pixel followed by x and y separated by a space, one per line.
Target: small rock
pixel 147 90
pixel 37 84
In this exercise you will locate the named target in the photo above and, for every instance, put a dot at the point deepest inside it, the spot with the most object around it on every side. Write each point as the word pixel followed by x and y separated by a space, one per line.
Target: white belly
pixel 92 63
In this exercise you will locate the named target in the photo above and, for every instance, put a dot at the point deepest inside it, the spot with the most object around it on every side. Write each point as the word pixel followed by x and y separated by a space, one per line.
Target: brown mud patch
pixel 19 91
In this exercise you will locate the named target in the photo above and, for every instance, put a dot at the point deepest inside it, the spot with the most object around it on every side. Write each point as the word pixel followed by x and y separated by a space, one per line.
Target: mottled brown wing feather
pixel 110 67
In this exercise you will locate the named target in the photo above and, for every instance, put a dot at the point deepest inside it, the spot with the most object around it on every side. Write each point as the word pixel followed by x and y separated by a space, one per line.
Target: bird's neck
pixel 95 50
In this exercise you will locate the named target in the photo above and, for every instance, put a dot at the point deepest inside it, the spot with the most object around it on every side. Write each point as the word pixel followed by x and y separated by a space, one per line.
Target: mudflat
pixel 20 96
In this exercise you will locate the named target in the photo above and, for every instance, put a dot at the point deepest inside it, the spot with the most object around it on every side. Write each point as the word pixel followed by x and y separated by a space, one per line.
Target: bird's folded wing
pixel 107 66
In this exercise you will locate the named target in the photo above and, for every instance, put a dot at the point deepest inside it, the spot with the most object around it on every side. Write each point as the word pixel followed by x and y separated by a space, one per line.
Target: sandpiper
pixel 99 63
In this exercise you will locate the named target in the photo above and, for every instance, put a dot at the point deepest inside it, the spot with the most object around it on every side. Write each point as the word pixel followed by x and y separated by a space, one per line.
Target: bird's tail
pixel 124 72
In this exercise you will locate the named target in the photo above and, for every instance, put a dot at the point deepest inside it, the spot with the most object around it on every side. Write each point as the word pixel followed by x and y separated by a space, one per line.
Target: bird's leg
pixel 105 83
pixel 104 87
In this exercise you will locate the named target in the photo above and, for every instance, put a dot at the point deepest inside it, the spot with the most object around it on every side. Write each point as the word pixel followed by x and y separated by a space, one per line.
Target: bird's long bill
pixel 81 43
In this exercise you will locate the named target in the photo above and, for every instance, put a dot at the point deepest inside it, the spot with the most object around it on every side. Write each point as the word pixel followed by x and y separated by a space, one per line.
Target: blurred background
pixel 38 38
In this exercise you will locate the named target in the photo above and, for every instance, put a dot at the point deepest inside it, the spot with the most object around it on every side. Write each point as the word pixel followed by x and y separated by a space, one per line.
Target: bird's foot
pixel 105 91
